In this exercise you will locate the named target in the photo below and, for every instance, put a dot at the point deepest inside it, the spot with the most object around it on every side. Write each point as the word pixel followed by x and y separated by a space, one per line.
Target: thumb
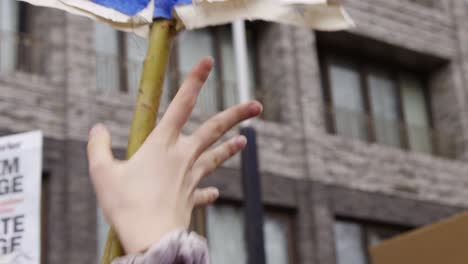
pixel 99 148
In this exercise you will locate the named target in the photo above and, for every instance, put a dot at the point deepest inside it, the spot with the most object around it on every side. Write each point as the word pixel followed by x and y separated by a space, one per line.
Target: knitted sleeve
pixel 178 247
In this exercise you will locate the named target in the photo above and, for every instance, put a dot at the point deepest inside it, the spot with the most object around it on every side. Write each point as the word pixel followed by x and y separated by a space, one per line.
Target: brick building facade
pixel 320 182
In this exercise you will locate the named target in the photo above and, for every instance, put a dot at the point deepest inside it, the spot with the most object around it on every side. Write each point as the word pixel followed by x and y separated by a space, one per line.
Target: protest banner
pixel 20 198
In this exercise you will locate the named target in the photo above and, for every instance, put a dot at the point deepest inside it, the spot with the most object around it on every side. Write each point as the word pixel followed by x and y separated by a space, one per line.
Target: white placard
pixel 316 14
pixel 20 198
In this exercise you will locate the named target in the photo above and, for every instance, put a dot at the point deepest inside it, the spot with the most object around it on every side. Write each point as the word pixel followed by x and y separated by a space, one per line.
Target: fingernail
pixel 255 108
pixel 96 129
pixel 209 63
pixel 240 141
pixel 215 194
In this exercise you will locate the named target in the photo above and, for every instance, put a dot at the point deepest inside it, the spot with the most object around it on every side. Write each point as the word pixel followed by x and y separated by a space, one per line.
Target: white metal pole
pixel 242 66
pixel 249 159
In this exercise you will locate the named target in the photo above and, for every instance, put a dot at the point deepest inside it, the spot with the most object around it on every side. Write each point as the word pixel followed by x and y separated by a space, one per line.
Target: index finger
pixel 182 106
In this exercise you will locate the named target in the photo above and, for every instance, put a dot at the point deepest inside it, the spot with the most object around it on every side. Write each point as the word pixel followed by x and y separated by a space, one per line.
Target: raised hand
pixel 155 191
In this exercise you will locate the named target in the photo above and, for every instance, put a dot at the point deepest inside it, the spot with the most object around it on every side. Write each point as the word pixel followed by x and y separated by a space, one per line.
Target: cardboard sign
pixel 444 242
pixel 20 198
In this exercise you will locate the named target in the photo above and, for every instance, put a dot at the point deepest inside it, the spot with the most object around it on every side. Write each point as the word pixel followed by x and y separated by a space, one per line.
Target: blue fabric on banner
pixel 128 7
pixel 163 8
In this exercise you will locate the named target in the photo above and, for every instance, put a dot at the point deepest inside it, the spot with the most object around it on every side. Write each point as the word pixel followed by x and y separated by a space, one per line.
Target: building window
pixel 107 57
pixel 217 222
pixel 120 57
pixel 193 46
pixel 119 60
pixel 347 99
pixel 221 221
pixel 18 49
pixel 376 103
pixel 9 24
pixel 220 91
pixel 353 239
pixel 415 114
pixel 426 3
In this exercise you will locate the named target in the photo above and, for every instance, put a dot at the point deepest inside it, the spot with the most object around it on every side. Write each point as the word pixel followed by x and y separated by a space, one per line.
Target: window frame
pixel 175 74
pixel 216 33
pixel 26 44
pixel 366 226
pixel 25 54
pixel 199 223
pixel 363 63
pixel 288 217
pixel 122 59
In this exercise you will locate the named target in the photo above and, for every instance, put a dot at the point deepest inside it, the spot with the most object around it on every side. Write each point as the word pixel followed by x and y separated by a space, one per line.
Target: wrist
pixel 136 240
pixel 138 235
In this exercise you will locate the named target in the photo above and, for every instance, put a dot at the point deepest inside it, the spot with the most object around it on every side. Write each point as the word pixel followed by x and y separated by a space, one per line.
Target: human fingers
pixel 99 149
pixel 212 159
pixel 205 196
pixel 212 130
pixel 181 107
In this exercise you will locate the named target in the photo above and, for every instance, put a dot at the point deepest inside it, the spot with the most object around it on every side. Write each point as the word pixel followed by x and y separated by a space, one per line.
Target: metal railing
pixel 114 74
pixel 21 52
pixel 359 125
pixel 216 94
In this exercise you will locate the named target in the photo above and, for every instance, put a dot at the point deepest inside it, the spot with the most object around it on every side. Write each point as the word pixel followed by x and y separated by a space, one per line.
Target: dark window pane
pixel 375 234
pixel 384 103
pixel 349 244
pixel 416 116
pixel 193 46
pixel 277 233
pixel 252 54
pixel 352 239
pixel 348 106
pixel 225 234
pixel 136 51
pixel 107 58
pixel 229 70
pixel 9 24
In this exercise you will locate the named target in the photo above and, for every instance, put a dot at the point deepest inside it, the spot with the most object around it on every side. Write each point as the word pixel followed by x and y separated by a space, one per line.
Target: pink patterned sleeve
pixel 179 247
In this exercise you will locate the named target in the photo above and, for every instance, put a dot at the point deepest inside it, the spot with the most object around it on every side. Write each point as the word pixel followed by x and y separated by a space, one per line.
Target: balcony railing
pixel 114 74
pixel 118 75
pixel 20 52
pixel 358 125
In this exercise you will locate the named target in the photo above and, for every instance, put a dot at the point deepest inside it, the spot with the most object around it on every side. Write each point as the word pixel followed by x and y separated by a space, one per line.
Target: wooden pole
pixel 146 109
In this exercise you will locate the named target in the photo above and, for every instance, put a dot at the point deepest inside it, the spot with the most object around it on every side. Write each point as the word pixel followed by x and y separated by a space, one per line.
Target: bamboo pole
pixel 146 109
